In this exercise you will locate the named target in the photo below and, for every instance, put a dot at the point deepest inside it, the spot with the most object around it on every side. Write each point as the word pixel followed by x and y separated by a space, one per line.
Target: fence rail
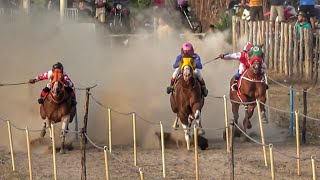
pixel 285 51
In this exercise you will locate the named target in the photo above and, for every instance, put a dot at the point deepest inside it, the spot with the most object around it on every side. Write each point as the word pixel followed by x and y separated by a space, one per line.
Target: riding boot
pixel 44 92
pixel 73 98
pixel 234 86
pixel 170 88
pixel 204 88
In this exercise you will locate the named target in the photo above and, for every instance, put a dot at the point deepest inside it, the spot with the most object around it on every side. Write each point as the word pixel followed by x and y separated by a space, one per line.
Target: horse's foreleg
pixel 262 109
pixel 186 135
pixel 197 116
pixel 65 123
pixel 175 124
pixel 46 125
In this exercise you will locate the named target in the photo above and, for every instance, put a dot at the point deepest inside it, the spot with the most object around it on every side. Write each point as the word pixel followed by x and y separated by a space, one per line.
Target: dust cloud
pixel 129 79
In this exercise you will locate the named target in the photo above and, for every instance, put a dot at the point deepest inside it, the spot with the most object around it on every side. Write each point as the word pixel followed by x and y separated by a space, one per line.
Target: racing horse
pixel 57 107
pixel 251 87
pixel 187 99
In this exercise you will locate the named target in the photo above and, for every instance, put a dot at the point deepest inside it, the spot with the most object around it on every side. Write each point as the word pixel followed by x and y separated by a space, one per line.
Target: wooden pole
pixel 234 22
pixel 285 50
pixel 29 153
pixel 281 55
pixel 298 142
pixel 313 163
pixel 290 55
pixel 267 43
pixel 262 134
pixel 250 31
pixel 301 51
pixel 271 161
pixel 110 130
pixel 271 46
pixel 62 8
pixel 231 155
pixel 162 151
pixel 226 122
pixel 304 122
pixel 54 153
pixel 307 58
pixel 276 47
pixel 141 174
pixel 254 32
pixel 267 96
pixel 134 139
pixel 195 135
pixel 295 52
pixel 11 146
pixel 105 151
pixel 83 137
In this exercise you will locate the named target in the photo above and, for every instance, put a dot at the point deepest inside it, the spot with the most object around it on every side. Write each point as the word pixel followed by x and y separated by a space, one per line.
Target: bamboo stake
pixel 298 142
pixel 141 174
pixel 134 138
pixel 195 135
pixel 54 153
pixel 271 161
pixel 110 130
pixel 162 151
pixel 11 146
pixel 262 134
pixel 226 122
pixel 106 162
pixel 313 163
pixel 29 153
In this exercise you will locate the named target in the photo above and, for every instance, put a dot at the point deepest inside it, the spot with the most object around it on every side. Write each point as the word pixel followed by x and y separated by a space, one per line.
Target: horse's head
pixel 57 85
pixel 187 66
pixel 256 63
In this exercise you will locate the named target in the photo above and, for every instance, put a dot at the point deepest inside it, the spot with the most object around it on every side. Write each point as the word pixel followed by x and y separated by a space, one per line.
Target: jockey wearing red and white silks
pixel 47 75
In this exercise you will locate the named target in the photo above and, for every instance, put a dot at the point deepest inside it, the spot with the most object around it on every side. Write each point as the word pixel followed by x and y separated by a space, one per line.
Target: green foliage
pixel 224 21
pixel 140 3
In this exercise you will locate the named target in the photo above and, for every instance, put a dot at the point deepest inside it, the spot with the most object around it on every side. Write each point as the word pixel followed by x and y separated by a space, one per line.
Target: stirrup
pixel 40 101
pixel 234 87
pixel 169 89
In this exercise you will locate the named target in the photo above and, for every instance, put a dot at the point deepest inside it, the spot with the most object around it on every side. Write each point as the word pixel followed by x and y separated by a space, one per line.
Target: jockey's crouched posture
pixel 188 51
pixel 244 58
pixel 47 75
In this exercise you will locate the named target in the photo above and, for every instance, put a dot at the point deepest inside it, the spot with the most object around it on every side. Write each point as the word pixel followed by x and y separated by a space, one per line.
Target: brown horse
pixel 57 107
pixel 251 87
pixel 186 99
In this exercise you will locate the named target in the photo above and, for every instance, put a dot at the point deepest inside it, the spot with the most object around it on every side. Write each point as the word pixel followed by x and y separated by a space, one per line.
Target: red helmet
pixel 247 47
pixel 187 49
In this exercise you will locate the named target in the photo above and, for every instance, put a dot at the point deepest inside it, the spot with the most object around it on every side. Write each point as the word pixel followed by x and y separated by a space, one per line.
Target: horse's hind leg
pixel 175 124
pixel 65 123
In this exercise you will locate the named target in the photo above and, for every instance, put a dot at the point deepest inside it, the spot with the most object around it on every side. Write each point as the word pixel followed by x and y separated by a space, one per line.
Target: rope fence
pixel 138 169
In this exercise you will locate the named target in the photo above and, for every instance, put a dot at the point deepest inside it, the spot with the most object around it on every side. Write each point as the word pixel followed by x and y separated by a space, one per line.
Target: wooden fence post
pixel 301 52
pixel 276 47
pixel 307 57
pixel 271 47
pixel 285 50
pixel 281 55
pixel 231 155
pixel 290 56
pixel 295 63
pixel 83 137
pixel 304 122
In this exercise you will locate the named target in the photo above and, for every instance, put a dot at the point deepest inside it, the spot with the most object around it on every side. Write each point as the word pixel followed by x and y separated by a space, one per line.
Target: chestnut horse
pixel 252 86
pixel 57 107
pixel 186 99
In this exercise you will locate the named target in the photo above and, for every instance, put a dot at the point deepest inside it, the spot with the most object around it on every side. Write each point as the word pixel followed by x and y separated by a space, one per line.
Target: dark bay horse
pixel 252 86
pixel 57 107
pixel 186 99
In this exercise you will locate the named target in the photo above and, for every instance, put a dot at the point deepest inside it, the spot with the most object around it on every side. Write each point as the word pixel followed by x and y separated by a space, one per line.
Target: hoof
pixel 42 133
pixel 201 132
pixel 243 138
pixel 62 151
pixel 265 120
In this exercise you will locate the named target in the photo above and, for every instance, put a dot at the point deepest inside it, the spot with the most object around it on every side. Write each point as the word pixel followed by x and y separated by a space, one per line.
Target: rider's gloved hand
pixel 32 81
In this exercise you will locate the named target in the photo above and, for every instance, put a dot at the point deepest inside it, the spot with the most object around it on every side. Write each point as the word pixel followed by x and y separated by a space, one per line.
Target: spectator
pixel 277 9
pixel 307 6
pixel 256 10
pixel 101 10
pixel 301 23
pixel 164 30
pixel 84 12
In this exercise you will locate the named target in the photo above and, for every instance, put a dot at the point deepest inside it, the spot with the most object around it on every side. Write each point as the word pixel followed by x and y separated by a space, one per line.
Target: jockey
pixel 47 75
pixel 187 49
pixel 244 58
